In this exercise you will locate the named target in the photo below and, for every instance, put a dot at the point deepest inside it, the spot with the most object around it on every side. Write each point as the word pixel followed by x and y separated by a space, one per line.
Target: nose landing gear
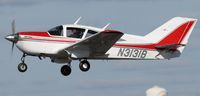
pixel 22 67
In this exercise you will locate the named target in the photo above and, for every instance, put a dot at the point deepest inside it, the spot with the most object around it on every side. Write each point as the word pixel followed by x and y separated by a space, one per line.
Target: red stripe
pixel 144 46
pixel 177 35
pixel 44 34
pixel 72 41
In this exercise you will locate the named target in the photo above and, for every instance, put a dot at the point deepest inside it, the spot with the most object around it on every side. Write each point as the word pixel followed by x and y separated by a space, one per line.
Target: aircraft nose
pixel 12 37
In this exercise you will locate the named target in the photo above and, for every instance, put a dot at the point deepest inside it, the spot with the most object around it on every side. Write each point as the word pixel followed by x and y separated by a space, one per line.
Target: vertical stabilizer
pixel 175 31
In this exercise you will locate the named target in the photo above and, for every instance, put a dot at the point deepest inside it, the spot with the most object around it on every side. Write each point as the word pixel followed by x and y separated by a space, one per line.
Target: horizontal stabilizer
pixel 169 47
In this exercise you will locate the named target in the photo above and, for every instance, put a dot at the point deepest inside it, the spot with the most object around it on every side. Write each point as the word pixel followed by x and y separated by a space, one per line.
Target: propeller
pixel 13 32
pixel 13 26
pixel 14 37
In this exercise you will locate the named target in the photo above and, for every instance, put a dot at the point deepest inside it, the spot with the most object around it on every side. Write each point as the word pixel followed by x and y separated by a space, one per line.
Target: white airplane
pixel 65 43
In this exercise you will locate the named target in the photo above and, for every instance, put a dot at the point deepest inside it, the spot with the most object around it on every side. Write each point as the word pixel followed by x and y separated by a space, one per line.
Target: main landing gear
pixel 22 67
pixel 84 66
pixel 66 70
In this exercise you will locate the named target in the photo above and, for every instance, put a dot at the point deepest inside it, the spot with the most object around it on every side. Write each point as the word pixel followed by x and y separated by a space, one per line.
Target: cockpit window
pixel 75 32
pixel 58 31
pixel 90 32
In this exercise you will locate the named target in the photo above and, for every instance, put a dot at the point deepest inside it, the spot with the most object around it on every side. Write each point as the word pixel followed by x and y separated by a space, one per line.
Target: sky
pixel 180 76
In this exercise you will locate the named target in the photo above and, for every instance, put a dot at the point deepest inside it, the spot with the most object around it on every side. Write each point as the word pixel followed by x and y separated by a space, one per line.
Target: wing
pixel 94 45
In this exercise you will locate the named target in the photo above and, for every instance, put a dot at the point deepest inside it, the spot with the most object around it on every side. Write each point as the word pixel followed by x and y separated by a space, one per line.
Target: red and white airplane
pixel 65 43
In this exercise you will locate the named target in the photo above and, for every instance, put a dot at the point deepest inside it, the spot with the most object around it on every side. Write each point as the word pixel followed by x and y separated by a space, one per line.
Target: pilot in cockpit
pixel 76 34
pixel 72 32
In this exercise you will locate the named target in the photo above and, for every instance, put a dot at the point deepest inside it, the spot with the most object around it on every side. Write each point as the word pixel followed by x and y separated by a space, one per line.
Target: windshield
pixel 58 31
pixel 75 32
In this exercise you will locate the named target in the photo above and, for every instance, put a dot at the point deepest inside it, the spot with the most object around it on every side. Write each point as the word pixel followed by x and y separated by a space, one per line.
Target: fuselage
pixel 48 45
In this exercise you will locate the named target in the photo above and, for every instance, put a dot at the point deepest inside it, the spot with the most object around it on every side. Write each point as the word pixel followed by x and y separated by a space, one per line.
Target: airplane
pixel 65 43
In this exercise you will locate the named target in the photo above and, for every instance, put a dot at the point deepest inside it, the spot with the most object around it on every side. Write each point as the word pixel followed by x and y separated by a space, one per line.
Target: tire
pixel 22 67
pixel 65 70
pixel 84 66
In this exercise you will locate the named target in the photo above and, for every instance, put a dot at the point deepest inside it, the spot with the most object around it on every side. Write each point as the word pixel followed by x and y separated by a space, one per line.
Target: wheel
pixel 65 70
pixel 84 66
pixel 22 67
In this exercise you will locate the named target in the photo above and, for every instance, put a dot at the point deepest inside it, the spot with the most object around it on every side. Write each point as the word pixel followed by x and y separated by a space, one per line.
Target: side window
pixel 90 32
pixel 58 31
pixel 75 32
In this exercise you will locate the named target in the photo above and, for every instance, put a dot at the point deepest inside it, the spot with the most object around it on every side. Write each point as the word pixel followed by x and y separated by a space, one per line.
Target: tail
pixel 173 35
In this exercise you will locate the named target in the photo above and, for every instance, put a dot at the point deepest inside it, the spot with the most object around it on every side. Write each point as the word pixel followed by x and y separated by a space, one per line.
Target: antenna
pixel 77 20
pixel 106 26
